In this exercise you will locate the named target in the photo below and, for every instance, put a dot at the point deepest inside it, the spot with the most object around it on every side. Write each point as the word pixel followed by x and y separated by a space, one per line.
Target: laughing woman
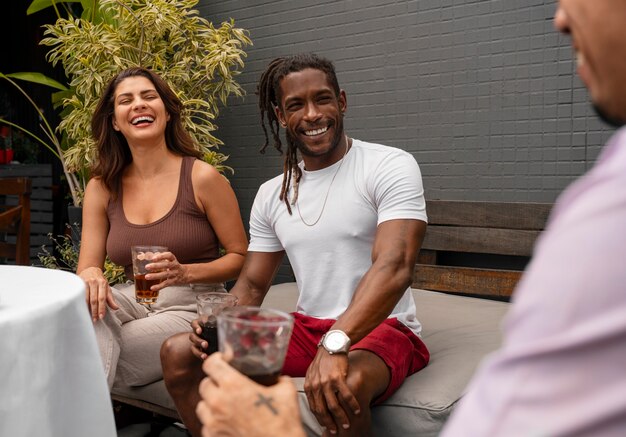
pixel 150 188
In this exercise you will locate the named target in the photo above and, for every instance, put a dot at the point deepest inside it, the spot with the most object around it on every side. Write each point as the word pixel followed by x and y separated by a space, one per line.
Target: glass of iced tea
pixel 142 256
pixel 209 306
pixel 254 340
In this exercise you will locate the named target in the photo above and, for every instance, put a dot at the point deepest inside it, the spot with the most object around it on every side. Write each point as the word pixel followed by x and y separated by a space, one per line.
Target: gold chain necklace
pixel 327 191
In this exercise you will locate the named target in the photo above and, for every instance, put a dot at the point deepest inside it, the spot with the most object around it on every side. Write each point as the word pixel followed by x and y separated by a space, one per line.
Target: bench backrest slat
pixel 465 231
pixel 473 281
pixel 480 240
pixel 507 215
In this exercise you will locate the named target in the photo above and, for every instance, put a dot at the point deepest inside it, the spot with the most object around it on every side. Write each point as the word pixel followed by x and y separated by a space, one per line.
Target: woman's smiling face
pixel 139 112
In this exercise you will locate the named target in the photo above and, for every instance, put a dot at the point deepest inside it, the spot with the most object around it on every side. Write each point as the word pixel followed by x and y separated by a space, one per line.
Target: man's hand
pixel 198 344
pixel 327 391
pixel 98 292
pixel 234 405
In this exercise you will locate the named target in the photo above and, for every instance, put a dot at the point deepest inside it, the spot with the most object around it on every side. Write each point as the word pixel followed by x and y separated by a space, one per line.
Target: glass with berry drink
pixel 209 306
pixel 254 340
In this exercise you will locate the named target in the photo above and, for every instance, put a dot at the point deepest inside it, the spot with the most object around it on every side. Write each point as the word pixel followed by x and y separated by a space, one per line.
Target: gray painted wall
pixel 482 92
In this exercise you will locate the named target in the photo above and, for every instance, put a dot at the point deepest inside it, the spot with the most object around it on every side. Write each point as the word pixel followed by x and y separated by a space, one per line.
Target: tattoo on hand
pixel 266 402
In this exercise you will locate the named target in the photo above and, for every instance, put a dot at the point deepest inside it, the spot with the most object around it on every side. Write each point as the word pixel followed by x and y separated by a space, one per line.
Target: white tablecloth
pixel 51 377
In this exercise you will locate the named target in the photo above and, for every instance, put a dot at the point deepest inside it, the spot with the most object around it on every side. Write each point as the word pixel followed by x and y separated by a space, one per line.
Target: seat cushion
pixel 154 393
pixel 459 332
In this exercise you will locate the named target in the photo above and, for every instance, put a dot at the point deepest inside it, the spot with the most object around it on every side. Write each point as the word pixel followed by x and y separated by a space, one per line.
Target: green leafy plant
pixel 200 62
pixel 66 258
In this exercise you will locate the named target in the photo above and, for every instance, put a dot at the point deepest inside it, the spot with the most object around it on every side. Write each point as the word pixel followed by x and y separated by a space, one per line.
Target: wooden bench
pixel 478 248
pixel 41 205
pixel 471 249
pixel 15 219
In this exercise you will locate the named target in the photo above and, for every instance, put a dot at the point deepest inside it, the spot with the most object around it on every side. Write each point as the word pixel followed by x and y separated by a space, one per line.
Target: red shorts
pixel 403 352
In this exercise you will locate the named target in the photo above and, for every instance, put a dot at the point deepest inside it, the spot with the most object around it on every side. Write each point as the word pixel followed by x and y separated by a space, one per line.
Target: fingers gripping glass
pixel 142 256
pixel 254 340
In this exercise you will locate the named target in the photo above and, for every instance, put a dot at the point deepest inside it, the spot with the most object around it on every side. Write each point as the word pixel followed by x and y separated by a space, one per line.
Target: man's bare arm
pixel 393 257
pixel 256 277
pixel 395 250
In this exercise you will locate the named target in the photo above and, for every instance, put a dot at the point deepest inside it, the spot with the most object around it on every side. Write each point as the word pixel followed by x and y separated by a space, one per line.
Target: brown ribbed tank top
pixel 185 230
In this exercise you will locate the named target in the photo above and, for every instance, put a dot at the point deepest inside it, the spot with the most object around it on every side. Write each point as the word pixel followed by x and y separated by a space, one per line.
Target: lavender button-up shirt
pixel 561 370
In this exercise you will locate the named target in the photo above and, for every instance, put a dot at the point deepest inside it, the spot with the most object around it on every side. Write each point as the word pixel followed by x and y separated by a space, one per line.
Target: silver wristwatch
pixel 335 342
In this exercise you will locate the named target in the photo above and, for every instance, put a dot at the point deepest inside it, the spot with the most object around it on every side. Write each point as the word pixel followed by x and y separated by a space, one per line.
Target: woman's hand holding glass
pixel 168 271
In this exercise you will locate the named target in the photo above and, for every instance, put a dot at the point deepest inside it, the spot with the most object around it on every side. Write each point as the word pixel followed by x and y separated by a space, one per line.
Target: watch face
pixel 334 341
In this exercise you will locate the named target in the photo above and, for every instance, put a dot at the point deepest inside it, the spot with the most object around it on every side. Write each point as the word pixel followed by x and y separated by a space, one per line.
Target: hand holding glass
pixel 254 340
pixel 142 256
pixel 209 306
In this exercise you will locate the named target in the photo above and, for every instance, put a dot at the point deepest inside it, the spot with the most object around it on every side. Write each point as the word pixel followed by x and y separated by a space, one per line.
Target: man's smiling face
pixel 312 113
pixel 596 28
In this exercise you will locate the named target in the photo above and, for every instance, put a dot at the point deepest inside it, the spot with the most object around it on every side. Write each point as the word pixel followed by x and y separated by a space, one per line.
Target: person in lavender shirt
pixel 561 370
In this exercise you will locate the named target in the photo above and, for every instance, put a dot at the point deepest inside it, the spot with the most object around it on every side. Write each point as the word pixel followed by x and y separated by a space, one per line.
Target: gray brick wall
pixel 482 92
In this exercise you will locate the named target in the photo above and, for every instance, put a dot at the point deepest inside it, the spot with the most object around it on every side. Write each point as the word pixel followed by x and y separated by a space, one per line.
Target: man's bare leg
pixel 182 373
pixel 368 378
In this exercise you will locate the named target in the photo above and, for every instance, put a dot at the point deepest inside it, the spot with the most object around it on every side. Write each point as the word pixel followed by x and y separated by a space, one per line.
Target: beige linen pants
pixel 130 338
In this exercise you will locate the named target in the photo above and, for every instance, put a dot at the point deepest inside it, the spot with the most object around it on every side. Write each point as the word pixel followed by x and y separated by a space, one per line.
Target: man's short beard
pixel 608 119
pixel 304 150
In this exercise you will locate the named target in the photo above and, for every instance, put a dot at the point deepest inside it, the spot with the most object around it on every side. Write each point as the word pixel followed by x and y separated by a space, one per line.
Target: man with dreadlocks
pixel 351 218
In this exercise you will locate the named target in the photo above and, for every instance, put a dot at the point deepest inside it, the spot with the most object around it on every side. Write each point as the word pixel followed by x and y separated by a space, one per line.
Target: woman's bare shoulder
pixel 97 190
pixel 204 174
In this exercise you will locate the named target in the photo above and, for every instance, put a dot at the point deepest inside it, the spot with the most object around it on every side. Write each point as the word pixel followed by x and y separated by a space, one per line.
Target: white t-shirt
pixel 374 184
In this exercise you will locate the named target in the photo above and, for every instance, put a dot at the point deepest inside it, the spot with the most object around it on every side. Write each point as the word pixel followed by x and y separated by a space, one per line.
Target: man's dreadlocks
pixel 268 91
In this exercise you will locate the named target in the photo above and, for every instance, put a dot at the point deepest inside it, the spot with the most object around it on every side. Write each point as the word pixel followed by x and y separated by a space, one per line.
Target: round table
pixel 51 376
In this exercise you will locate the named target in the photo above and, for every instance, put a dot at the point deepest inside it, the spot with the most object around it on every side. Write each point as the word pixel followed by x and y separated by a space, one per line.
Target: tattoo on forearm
pixel 263 401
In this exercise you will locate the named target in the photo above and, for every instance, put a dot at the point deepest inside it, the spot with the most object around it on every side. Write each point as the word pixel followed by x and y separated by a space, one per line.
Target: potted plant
pixel 199 61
